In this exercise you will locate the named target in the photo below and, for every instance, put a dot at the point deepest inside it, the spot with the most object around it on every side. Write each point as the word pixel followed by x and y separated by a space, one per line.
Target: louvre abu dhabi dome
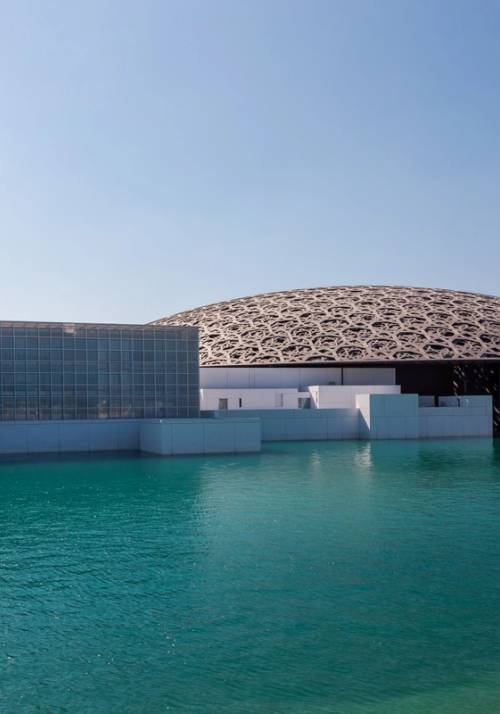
pixel 348 324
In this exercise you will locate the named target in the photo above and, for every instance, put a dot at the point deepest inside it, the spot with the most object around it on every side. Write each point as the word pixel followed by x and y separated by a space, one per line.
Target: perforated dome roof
pixel 346 324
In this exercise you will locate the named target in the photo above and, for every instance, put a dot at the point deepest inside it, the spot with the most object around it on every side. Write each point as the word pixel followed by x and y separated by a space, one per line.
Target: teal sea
pixel 314 578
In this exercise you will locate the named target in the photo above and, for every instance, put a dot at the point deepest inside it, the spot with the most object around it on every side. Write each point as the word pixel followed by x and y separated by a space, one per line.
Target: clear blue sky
pixel 159 155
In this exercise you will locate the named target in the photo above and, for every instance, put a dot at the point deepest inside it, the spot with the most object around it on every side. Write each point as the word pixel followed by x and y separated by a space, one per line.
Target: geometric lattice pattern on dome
pixel 346 324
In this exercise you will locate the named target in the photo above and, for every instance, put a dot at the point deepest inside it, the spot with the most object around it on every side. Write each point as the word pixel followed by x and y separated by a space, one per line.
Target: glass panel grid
pixel 87 372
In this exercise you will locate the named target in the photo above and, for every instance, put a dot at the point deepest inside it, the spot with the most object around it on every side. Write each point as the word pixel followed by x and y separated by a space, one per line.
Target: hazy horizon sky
pixel 160 155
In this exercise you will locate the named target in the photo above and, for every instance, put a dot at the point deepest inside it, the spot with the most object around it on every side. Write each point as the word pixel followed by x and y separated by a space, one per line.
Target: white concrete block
pixel 247 436
pixel 13 439
pixel 448 425
pixel 74 436
pixel 102 436
pixel 397 427
pixel 213 377
pixel 150 439
pixel 127 436
pixel 295 429
pixel 238 377
pixel 411 427
pixel 42 437
pixel 333 428
pixel 485 427
pixel 344 397
pixel 316 429
pixel 426 411
pixel 273 429
pixel 399 405
pixel 219 437
pixel 268 378
pixel 187 437
pixel 382 429
pixel 200 436
pixel 391 428
pixel 350 426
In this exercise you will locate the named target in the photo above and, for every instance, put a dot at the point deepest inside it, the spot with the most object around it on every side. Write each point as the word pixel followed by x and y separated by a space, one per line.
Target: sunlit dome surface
pixel 346 324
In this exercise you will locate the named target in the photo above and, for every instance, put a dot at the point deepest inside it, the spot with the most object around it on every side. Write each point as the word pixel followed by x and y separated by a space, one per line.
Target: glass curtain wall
pixel 77 371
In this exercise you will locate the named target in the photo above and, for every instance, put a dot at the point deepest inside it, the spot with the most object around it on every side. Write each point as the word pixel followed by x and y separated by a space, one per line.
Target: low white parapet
pixel 60 436
pixel 200 436
pixel 321 396
pixel 376 416
pixel 388 416
pixel 294 377
pixel 302 424
pixel 384 416
pixel 160 436
pixel 458 416
pixel 245 399
pixel 343 396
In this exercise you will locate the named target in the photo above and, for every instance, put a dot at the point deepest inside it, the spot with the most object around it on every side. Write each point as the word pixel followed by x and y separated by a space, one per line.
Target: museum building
pixel 361 362
pixel 267 350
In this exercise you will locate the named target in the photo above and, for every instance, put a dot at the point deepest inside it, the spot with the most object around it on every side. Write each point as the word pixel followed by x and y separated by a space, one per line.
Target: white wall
pixel 386 416
pixel 377 416
pixel 35 437
pixel 322 396
pixel 474 417
pixel 304 424
pixel 250 377
pixel 280 377
pixel 200 436
pixel 176 436
pixel 250 398
pixel 344 397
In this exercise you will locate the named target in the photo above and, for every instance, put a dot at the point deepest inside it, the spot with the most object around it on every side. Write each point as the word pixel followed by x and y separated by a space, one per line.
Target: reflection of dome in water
pixel 346 324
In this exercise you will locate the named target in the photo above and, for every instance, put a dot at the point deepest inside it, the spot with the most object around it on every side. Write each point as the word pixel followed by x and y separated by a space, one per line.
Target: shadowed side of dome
pixel 346 324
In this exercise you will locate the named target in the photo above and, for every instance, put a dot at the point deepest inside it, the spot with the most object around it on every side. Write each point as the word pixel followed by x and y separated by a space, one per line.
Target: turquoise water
pixel 346 578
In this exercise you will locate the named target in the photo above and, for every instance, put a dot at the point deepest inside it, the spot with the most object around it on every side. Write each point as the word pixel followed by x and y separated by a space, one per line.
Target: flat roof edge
pixel 93 325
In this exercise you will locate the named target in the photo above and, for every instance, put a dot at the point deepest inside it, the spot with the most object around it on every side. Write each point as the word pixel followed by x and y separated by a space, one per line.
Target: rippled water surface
pixel 343 578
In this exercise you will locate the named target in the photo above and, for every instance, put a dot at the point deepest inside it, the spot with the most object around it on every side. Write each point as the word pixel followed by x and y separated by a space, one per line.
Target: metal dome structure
pixel 348 324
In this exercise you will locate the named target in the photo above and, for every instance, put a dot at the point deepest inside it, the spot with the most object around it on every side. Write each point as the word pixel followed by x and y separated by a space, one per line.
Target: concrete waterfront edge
pixel 167 436
pixel 171 437
pixel 377 416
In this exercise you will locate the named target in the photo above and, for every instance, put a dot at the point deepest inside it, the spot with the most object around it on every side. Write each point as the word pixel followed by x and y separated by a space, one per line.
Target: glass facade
pixel 83 371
